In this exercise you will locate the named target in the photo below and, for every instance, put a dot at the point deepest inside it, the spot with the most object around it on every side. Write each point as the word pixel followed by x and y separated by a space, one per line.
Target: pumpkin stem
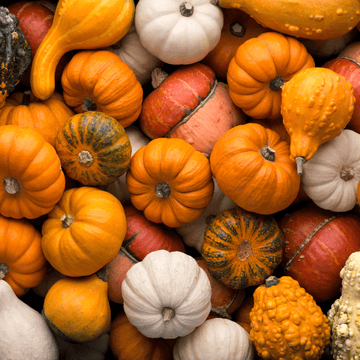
pixel 162 190
pixel 271 281
pixel 214 2
pixel 244 250
pixel 300 161
pixel 11 185
pixel 237 29
pixel 347 172
pixel 186 9
pixel 103 274
pixel 67 220
pixel 3 270
pixel 276 84
pixel 158 76
pixel 268 153
pixel 223 312
pixel 85 158
pixel 26 98
pixel 88 105
pixel 168 314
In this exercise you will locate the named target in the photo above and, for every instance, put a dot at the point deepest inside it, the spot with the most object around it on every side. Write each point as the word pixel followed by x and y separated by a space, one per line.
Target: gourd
pixel 75 26
pixel 324 106
pixel 320 20
pixel 343 313
pixel 166 295
pixel 286 322
pixel 24 333
pixel 211 341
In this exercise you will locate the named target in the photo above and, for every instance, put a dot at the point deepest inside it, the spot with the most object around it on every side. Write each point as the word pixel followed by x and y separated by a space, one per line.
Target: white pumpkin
pixel 178 32
pixel 331 176
pixel 215 339
pixel 166 295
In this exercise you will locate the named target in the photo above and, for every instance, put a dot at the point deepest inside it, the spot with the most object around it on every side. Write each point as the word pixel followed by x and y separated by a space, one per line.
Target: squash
pixel 211 341
pixel 77 308
pixel 242 314
pixel 46 117
pixel 186 31
pixel 84 231
pixel 274 124
pixel 30 173
pixel 166 295
pixel 170 181
pixel 252 167
pixel 22 262
pixel 241 248
pixel 100 81
pixel 317 20
pixel 93 148
pixel 324 106
pixel 260 68
pixel 286 322
pixel 75 26
pixel 24 333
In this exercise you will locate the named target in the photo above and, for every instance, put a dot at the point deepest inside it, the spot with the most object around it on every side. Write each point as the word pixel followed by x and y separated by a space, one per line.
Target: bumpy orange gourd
pixel 78 24
pixel 286 322
pixel 317 104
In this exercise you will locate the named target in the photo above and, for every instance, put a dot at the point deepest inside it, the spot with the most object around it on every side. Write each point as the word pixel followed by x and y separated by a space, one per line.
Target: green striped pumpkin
pixel 93 148
pixel 242 248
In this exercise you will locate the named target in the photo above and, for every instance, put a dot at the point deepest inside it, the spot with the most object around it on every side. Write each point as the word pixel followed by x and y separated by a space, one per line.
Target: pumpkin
pixel 189 104
pixel 241 248
pixel 320 20
pixel 166 295
pixel 32 179
pixel 252 167
pixel 242 314
pixel 324 106
pixel 186 31
pixel 170 181
pixel 127 343
pixel 211 341
pixel 84 231
pixel 273 124
pixel 260 68
pixel 286 322
pixel 77 308
pixel 100 81
pixel 74 27
pixel 46 117
pixel 22 262
pixel 93 148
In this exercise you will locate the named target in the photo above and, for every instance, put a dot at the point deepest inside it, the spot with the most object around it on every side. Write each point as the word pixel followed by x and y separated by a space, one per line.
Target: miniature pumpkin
pixel 84 231
pixel 170 181
pixel 286 322
pixel 74 27
pixel 242 249
pixel 242 314
pixel 316 105
pixel 273 124
pixel 32 179
pixel 252 167
pixel 166 295
pixel 186 31
pixel 260 68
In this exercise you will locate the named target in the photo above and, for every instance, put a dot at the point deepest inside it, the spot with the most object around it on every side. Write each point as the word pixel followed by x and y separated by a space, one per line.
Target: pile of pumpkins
pixel 180 180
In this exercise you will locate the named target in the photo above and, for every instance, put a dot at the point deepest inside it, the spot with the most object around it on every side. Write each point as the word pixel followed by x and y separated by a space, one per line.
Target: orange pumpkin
pixel 101 81
pixel 252 167
pixel 170 181
pixel 30 172
pixel 259 69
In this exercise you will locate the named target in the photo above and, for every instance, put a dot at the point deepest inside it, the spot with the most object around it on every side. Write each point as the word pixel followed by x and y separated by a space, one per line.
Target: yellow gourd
pixel 78 24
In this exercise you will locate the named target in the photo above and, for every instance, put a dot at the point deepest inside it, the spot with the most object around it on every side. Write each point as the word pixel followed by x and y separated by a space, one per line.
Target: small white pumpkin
pixel 331 176
pixel 166 295
pixel 178 32
pixel 215 339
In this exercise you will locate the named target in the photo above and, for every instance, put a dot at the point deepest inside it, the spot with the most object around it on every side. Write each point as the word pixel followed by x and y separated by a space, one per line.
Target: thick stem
pixel 3 270
pixel 347 172
pixel 11 185
pixel 237 29
pixel 67 220
pixel 168 314
pixel 276 84
pixel 26 98
pixel 268 153
pixel 85 158
pixel 186 9
pixel 271 281
pixel 163 190
pixel 88 105
pixel 300 161
pixel 158 76
pixel 244 250
pixel 103 274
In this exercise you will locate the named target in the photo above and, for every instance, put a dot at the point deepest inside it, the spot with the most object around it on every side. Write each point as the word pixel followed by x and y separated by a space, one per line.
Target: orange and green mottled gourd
pixel 320 19
pixel 78 24
pixel 286 322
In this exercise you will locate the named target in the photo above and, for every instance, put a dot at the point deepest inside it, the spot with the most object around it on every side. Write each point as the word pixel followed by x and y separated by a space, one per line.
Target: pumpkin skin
pixel 84 231
pixel 93 148
pixel 242 314
pixel 32 179
pixel 170 181
pixel 46 117
pixel 99 80
pixel 317 244
pixel 260 68
pixel 237 163
pixel 241 248
pixel 21 257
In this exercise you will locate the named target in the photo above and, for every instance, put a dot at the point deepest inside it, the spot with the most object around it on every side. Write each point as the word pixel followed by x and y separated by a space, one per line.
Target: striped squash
pixel 242 248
